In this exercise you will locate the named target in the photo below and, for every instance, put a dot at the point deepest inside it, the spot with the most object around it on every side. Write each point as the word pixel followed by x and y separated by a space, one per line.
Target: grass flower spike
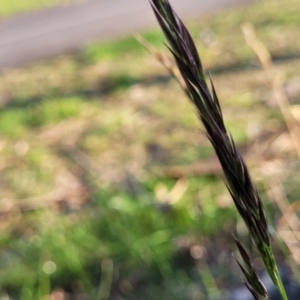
pixel 238 181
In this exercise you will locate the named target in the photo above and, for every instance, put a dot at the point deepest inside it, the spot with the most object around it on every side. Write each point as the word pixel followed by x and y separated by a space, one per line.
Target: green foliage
pixel 13 120
pixel 10 7
pixel 119 48
pixel 138 235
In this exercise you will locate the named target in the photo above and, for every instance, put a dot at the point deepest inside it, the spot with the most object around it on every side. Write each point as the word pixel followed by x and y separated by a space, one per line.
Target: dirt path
pixel 41 34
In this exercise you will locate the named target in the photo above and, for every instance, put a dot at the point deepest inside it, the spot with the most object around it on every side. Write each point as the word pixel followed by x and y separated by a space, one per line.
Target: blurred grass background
pixel 11 7
pixel 109 187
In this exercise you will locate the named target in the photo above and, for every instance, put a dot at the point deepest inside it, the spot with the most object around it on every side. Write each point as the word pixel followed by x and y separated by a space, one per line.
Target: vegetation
pixel 104 188
pixel 10 7
pixel 238 181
